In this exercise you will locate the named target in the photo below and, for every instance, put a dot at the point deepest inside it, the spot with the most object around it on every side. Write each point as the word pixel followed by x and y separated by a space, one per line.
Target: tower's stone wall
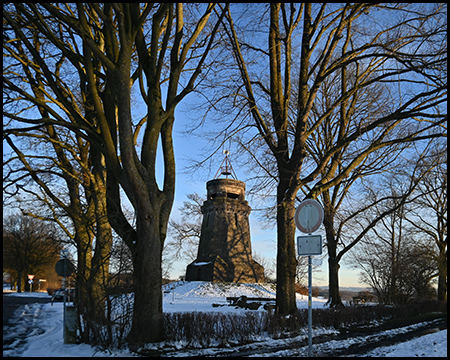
pixel 225 252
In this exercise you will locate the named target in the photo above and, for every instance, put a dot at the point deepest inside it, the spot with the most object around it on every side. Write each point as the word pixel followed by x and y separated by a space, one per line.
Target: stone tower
pixel 225 252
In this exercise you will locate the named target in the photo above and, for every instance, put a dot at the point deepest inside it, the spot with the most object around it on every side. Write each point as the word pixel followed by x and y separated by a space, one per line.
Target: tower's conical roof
pixel 225 167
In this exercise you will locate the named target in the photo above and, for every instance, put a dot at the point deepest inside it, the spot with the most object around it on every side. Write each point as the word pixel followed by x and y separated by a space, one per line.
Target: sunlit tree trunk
pixel 286 259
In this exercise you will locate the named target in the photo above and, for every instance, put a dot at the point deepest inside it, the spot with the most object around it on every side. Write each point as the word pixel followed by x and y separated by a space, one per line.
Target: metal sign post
pixel 308 218
pixel 30 281
pixel 65 268
pixel 309 306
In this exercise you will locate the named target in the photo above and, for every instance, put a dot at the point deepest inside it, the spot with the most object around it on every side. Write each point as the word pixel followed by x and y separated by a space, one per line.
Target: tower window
pixel 232 196
pixel 227 195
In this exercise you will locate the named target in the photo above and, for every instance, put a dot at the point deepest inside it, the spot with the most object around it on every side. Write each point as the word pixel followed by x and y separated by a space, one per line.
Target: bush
pixel 198 329
pixel 206 329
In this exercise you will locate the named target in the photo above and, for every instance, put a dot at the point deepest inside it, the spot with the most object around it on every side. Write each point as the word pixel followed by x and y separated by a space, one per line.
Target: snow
pixel 430 345
pixel 199 295
pixel 46 323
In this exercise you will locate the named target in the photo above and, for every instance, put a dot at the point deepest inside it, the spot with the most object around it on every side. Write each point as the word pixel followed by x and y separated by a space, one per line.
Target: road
pixel 10 305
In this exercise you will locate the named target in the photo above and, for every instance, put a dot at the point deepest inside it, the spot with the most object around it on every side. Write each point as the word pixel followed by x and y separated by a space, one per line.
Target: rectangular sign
pixel 309 245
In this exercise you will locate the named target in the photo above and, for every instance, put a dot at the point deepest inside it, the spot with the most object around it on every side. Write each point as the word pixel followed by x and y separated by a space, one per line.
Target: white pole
pixel 64 302
pixel 309 306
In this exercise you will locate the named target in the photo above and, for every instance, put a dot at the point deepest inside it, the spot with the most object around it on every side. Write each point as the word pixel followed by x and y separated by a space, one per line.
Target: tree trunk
pixel 333 261
pixel 333 282
pixel 286 259
pixel 442 277
pixel 84 255
pixel 147 324
pixel 99 276
pixel 19 281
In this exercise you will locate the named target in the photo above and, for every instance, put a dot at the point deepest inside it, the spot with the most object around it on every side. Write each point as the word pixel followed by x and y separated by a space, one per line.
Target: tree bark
pixel 286 259
pixel 333 282
pixel 147 281
pixel 442 277
pixel 333 259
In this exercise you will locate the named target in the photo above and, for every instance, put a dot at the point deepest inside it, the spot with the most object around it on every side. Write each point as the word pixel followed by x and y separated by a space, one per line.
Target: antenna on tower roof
pixel 225 167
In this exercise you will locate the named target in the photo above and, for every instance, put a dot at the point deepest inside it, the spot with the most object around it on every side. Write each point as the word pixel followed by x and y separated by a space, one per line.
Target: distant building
pixel 225 252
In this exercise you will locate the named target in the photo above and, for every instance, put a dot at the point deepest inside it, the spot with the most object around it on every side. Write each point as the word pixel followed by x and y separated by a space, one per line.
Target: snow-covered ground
pixel 46 320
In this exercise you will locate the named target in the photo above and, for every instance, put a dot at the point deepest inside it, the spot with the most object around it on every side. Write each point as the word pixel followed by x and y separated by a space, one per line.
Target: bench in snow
pixel 246 302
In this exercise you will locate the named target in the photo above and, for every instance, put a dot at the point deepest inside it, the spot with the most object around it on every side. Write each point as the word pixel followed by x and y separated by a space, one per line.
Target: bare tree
pixel 66 164
pixel 380 151
pixel 54 158
pixel 109 47
pixel 397 262
pixel 29 246
pixel 329 40
pixel 428 217
pixel 398 266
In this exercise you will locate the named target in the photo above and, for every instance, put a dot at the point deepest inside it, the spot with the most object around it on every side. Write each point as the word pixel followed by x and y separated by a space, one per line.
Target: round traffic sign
pixel 308 216
pixel 64 268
